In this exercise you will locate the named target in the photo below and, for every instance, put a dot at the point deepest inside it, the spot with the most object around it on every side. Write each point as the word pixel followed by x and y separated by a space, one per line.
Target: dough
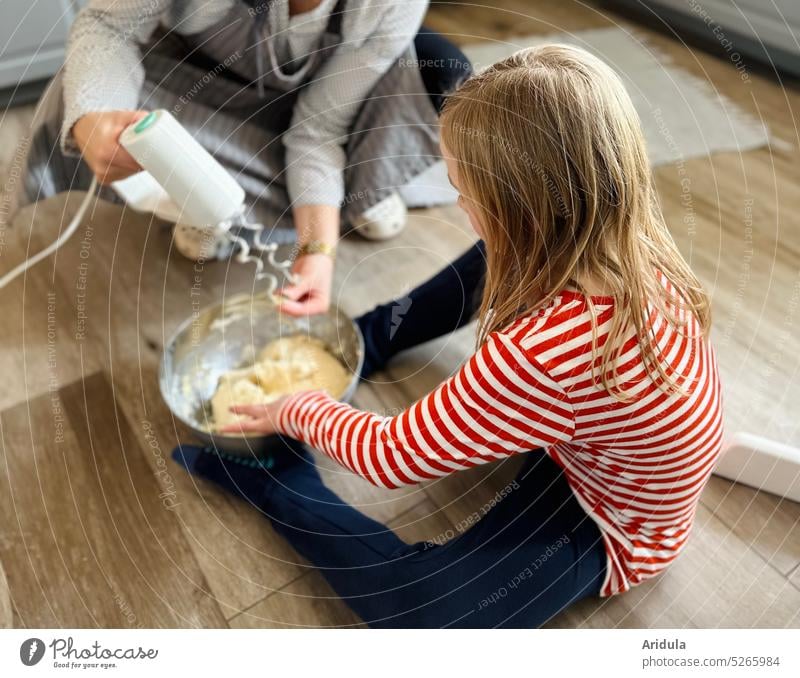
pixel 284 366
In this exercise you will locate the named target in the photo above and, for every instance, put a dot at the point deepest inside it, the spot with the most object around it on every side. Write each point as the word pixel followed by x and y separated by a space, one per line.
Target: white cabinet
pixel 33 35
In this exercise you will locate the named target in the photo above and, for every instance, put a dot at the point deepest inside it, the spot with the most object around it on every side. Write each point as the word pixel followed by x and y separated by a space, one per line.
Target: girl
pixel 593 361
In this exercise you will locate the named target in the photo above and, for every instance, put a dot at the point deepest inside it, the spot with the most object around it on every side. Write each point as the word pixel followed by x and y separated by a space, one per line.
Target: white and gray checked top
pixel 103 70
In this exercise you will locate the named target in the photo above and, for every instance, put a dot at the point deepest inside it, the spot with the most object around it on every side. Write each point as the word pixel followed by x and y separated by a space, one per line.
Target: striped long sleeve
pixel 499 403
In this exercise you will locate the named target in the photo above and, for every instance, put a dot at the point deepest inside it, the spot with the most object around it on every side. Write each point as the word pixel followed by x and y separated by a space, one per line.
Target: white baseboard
pixel 763 464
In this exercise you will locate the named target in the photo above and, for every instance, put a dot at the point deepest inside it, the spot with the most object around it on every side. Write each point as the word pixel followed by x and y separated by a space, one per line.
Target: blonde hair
pixel 550 151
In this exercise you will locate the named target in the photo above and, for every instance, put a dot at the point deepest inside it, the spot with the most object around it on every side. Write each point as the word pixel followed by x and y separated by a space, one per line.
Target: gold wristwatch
pixel 316 247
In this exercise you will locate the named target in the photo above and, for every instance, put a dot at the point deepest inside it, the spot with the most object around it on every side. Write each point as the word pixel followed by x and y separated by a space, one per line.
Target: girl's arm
pixel 499 403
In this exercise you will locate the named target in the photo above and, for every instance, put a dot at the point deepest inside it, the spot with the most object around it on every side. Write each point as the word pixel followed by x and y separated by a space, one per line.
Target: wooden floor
pixel 99 527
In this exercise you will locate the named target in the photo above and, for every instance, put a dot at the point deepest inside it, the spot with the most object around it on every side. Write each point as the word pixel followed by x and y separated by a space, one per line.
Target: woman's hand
pixel 312 292
pixel 264 418
pixel 97 137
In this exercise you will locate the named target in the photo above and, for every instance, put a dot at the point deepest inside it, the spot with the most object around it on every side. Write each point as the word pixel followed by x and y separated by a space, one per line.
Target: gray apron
pixel 228 89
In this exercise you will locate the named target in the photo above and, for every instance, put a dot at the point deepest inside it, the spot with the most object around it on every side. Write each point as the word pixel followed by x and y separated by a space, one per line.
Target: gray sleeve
pixel 326 108
pixel 103 70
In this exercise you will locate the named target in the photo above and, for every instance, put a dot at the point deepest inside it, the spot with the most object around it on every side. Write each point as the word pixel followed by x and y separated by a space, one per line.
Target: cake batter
pixel 286 365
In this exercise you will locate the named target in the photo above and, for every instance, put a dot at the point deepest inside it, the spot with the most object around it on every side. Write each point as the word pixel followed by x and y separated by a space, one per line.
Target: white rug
pixel 682 116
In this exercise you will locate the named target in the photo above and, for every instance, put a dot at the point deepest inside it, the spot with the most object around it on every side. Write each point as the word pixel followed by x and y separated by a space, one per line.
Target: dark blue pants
pixel 442 65
pixel 437 307
pixel 530 556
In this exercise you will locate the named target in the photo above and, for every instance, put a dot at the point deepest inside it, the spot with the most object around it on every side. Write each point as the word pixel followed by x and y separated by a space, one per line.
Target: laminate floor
pixel 100 528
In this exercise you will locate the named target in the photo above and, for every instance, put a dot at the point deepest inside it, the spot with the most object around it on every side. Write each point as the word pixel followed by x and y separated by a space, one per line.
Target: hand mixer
pixel 207 196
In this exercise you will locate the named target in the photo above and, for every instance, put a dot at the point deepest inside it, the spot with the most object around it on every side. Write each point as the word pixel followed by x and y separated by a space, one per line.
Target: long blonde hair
pixel 550 150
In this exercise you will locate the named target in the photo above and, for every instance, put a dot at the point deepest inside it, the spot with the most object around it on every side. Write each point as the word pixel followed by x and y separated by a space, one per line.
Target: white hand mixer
pixel 206 195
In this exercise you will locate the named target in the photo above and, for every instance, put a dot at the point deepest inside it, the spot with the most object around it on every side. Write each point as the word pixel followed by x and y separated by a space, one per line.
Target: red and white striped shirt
pixel 636 467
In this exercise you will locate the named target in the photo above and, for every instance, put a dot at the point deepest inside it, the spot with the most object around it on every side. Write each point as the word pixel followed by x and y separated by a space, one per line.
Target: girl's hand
pixel 97 137
pixel 264 418
pixel 312 293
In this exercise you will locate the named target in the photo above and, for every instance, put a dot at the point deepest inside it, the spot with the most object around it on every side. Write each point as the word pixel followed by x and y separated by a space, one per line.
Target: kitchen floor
pixel 100 528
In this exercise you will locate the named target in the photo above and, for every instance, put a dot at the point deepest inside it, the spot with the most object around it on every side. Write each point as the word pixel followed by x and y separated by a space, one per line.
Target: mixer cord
pixel 52 247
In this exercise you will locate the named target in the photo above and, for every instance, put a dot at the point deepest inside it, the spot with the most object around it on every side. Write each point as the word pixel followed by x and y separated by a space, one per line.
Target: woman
pixel 593 360
pixel 322 109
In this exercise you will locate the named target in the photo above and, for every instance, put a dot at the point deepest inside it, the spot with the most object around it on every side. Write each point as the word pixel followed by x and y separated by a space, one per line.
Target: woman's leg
pixel 531 555
pixel 442 65
pixel 438 306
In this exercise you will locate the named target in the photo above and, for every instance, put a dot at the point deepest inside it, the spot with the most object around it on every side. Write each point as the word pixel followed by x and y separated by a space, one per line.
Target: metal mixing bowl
pixel 229 336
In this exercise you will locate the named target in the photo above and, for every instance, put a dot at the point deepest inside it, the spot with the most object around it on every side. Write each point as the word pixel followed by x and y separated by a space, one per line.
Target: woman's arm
pixel 499 403
pixel 322 117
pixel 326 108
pixel 103 70
pixel 312 293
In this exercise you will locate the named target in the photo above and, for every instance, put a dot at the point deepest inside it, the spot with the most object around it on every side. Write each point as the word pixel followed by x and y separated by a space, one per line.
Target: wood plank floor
pixel 101 529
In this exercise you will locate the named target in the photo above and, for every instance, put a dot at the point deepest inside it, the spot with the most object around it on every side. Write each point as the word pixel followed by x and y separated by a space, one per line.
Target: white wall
pixel 33 34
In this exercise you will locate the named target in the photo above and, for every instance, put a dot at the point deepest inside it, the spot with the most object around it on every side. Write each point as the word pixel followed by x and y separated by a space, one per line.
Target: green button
pixel 145 122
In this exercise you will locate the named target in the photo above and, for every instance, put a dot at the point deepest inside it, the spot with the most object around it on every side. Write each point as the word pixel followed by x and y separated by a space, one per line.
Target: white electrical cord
pixel 65 235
